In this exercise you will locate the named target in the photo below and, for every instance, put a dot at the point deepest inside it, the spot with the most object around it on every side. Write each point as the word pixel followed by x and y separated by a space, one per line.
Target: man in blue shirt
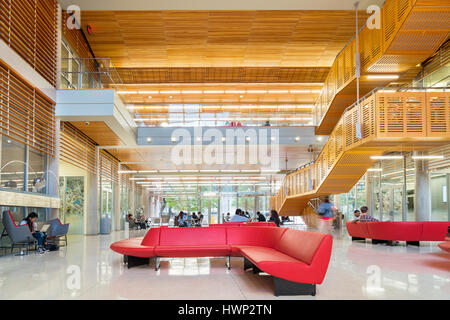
pixel 238 217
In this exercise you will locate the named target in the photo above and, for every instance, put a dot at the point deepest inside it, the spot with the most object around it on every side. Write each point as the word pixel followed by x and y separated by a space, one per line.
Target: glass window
pixel 12 171
pixel 37 165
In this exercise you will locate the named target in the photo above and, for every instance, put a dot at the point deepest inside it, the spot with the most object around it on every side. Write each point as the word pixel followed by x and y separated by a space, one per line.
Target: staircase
pixel 400 121
pixel 410 32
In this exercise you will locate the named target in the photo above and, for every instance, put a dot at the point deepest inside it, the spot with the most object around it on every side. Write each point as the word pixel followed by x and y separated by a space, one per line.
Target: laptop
pixel 44 228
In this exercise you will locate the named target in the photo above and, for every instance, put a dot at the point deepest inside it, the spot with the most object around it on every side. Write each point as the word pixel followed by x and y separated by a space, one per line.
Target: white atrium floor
pixel 88 269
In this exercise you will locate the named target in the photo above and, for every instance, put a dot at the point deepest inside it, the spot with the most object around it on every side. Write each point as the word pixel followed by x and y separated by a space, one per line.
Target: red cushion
pixel 401 231
pixel 445 246
pixel 358 229
pixel 254 236
pixel 286 267
pixel 259 224
pixel 300 245
pixel 434 230
pixel 192 236
pixel 152 237
pixel 193 251
pixel 258 255
pixel 132 247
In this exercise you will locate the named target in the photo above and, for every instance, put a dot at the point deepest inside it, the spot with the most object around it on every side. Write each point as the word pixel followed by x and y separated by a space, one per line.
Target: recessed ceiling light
pixel 297 139
pixel 174 139
pixel 149 140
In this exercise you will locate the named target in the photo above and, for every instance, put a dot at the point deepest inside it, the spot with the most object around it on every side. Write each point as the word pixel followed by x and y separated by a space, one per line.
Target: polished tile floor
pixel 88 269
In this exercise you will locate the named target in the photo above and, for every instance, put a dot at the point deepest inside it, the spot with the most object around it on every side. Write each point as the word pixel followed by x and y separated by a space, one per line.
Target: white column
pixel 422 196
pixel 116 206
pixel 131 197
pixel 92 222
pixel 53 171
pixel 369 193
pixel 448 194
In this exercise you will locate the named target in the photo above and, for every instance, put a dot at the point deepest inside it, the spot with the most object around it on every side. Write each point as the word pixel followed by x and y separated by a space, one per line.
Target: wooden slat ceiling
pixel 99 132
pixel 223 75
pixel 213 39
pixel 275 94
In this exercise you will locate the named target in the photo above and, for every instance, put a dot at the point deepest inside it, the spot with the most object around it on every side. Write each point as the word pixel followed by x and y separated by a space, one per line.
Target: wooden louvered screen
pixel 29 27
pixel 401 114
pixel 77 148
pixel 109 167
pixel 439 114
pixel 26 114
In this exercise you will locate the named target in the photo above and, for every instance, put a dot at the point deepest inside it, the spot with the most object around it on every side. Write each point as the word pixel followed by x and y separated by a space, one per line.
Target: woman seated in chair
pixel 40 237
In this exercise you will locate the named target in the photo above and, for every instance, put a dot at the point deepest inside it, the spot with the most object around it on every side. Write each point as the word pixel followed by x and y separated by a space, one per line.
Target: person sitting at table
pixel 200 217
pixel 261 217
pixel 239 217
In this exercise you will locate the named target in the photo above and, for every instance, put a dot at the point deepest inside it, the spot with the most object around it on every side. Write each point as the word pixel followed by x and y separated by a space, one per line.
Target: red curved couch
pixel 296 269
pixel 244 224
pixel 411 232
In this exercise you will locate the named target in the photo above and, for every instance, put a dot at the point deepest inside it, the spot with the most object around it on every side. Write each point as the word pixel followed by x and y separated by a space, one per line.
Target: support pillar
pixel 448 195
pixel 53 172
pixel 369 193
pixel 422 196
pixel 116 206
pixel 92 222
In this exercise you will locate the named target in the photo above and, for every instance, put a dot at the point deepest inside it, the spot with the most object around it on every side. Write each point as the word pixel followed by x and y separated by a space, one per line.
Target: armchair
pixel 57 230
pixel 19 235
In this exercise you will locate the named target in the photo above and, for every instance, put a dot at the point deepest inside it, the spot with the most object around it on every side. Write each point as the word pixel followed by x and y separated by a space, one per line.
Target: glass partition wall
pixel 388 189
pixel 215 202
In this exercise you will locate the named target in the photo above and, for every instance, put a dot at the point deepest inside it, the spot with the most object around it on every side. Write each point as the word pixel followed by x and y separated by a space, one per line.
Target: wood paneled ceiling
pixel 218 39
pixel 223 75
pixel 99 132
pixel 222 94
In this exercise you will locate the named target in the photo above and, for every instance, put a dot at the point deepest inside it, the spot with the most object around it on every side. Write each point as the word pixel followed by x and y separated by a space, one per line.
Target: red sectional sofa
pixel 411 232
pixel 244 224
pixel 445 246
pixel 297 260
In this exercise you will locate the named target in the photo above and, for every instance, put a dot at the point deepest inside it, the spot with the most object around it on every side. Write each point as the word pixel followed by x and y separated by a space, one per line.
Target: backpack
pixel 323 210
pixel 52 247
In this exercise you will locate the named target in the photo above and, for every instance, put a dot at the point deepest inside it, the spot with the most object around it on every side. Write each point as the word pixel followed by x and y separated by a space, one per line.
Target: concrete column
pixel 92 223
pixel 131 197
pixel 116 205
pixel 422 195
pixel 448 195
pixel 369 193
pixel 93 205
pixel 53 171
pixel 152 206
pixel 146 203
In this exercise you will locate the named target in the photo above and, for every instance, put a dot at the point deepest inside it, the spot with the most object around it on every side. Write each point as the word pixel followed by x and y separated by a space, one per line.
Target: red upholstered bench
pixel 411 232
pixel 244 224
pixel 297 260
pixel 445 246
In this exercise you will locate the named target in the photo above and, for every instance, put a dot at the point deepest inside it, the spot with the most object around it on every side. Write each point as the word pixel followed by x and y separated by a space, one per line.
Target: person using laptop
pixel 40 237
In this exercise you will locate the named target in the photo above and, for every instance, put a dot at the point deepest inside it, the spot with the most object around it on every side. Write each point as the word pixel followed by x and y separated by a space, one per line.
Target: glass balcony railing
pixel 80 73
